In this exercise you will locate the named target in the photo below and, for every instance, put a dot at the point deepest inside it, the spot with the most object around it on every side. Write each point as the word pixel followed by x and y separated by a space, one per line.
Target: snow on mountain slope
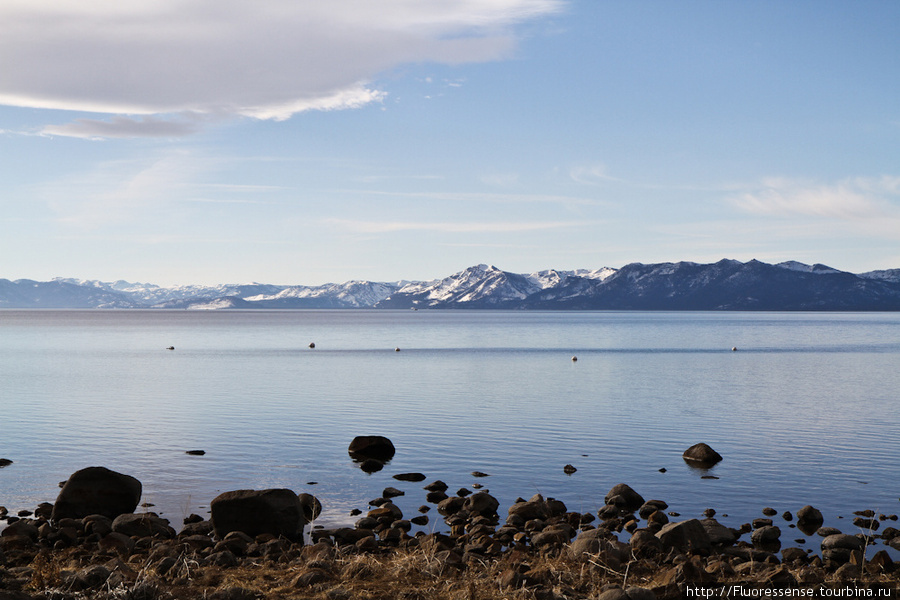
pixel 356 294
pixel 793 265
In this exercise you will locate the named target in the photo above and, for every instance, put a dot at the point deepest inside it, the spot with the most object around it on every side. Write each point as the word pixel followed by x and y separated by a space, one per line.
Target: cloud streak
pixel 266 60
pixel 451 227
pixel 850 199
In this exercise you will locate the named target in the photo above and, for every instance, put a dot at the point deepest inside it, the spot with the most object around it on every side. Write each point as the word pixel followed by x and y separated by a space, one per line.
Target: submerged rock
pixel 371 446
pixel 701 455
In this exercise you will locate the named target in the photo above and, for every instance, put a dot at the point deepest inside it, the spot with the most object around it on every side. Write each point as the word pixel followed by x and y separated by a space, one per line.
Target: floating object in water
pixel 396 349
pixel 196 452
pixel 574 359
pixel 312 344
pixel 734 348
pixel 170 348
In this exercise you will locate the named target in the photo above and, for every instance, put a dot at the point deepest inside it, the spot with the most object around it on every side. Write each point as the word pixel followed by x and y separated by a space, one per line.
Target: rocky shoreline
pixel 261 544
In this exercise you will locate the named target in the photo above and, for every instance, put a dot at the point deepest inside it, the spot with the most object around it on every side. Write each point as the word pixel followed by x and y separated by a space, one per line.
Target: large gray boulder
pixel 253 512
pixel 97 490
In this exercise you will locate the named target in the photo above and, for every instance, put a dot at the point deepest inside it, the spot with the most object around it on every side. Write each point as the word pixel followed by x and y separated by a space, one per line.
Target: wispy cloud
pixel 485 197
pixel 229 57
pixel 451 227
pixel 127 127
pixel 849 199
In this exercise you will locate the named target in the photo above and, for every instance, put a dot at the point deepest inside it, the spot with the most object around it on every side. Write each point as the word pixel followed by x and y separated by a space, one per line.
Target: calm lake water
pixel 804 412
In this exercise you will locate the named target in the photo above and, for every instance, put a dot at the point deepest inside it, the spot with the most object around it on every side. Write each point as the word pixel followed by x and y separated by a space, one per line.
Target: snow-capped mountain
pixel 353 294
pixel 725 285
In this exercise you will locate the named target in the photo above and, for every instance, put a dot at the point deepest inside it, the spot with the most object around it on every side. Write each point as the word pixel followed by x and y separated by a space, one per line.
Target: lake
pixel 803 412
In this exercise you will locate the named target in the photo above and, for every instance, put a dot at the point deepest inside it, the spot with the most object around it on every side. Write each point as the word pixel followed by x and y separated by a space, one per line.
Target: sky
pixel 229 141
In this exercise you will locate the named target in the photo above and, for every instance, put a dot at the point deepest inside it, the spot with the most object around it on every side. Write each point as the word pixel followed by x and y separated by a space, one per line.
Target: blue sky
pixel 211 141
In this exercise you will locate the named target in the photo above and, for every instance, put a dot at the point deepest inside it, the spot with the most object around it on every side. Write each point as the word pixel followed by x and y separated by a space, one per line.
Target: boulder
pixel 840 547
pixel 719 535
pixel 142 525
pixel 97 490
pixel 767 534
pixel 482 503
pixel 371 446
pixel 275 511
pixel 701 455
pixel 624 498
pixel 687 536
pixel 535 508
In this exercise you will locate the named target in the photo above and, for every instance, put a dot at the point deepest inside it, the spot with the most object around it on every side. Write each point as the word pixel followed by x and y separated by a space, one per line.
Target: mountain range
pixel 724 285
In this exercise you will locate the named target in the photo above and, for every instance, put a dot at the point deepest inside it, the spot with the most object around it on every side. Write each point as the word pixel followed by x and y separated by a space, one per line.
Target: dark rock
pixel 718 534
pixel 142 525
pixel 769 512
pixel 839 548
pixel 97 490
pixel 371 465
pixel 312 508
pixel 436 497
pixel 117 542
pixel 866 523
pixel 569 469
pixel 624 498
pixel 420 520
pixel 766 534
pixel 535 508
pixel 410 477
pixel 479 474
pixel 701 455
pixel 436 486
pixel 392 492
pixel 91 577
pixel 371 446
pixel 826 531
pixel 550 537
pixel 253 512
pixel 685 535
pixel 809 519
pixel 21 528
pixel 482 503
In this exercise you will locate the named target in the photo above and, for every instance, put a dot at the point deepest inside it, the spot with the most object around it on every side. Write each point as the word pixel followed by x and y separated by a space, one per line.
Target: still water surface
pixel 804 412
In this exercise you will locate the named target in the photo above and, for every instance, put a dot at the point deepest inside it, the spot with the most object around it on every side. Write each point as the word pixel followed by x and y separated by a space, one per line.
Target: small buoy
pixel 734 348
pixel 312 344
pixel 170 348
pixel 574 359
pixel 396 349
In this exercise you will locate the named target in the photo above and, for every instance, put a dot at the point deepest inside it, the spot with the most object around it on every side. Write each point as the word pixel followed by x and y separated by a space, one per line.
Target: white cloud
pixel 232 57
pixel 849 199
